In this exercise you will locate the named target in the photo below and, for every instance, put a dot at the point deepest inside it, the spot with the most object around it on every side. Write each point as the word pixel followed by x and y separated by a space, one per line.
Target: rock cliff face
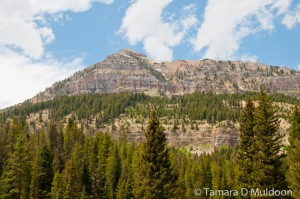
pixel 128 71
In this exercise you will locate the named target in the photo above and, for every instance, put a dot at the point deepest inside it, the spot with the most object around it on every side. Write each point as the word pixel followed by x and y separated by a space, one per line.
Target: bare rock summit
pixel 129 71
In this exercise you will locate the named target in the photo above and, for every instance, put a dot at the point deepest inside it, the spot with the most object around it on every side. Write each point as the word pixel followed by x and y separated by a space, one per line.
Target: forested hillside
pixel 65 155
pixel 196 122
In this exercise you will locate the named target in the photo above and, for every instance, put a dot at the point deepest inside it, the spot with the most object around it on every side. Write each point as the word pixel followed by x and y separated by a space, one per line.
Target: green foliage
pixel 293 174
pixel 267 159
pixel 108 106
pixel 62 161
pixel 15 179
pixel 247 145
pixel 295 126
pixel 42 176
pixel 113 170
pixel 58 185
pixel 158 176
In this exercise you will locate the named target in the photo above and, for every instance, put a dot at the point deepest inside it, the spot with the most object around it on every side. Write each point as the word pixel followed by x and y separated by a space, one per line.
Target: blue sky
pixel 42 42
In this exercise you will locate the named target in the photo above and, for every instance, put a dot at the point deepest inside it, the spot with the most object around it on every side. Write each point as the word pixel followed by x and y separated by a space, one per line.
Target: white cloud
pixel 281 6
pixel 22 22
pixel 143 22
pixel 227 22
pixel 292 18
pixel 25 66
pixel 22 78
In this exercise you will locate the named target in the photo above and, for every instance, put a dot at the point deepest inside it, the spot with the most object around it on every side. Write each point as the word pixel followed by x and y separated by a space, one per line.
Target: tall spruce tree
pixel 295 127
pixel 73 173
pixel 267 164
pixel 15 179
pixel 293 174
pixel 42 173
pixel 124 188
pixel 158 178
pixel 247 146
pixel 113 170
pixel 58 186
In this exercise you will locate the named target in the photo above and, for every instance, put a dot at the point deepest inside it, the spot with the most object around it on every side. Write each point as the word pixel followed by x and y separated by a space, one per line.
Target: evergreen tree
pixel 158 178
pixel 4 145
pixel 94 143
pixel 113 169
pixel 15 179
pixel 98 148
pixel 84 194
pixel 43 174
pixel 267 164
pixel 56 139
pixel 295 127
pixel 247 145
pixel 124 188
pixel 58 186
pixel 73 173
pixel 293 174
pixel 103 154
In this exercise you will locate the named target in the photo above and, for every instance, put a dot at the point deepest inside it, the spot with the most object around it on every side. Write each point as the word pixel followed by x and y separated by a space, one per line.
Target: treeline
pixel 63 162
pixel 108 106
pixel 105 107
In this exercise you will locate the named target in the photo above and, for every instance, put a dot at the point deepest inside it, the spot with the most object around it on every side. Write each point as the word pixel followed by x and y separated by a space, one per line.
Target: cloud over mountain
pixel 227 22
pixel 25 31
pixel 144 22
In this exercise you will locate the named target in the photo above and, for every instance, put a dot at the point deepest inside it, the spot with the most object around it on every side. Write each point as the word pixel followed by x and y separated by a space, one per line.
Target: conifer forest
pixel 66 157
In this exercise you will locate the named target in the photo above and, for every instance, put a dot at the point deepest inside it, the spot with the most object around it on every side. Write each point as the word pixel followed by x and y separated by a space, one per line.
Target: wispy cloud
pixel 25 66
pixel 143 22
pixel 23 23
pixel 22 77
pixel 227 22
pixel 292 17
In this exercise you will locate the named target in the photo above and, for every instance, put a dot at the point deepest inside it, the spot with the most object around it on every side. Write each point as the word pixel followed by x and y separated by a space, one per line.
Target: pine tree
pixel 56 139
pixel 84 194
pixel 58 186
pixel 113 169
pixel 4 145
pixel 124 188
pixel 15 179
pixel 295 127
pixel 267 164
pixel 98 148
pixel 103 154
pixel 293 174
pixel 43 173
pixel 182 167
pixel 247 145
pixel 73 173
pixel 94 143
pixel 158 178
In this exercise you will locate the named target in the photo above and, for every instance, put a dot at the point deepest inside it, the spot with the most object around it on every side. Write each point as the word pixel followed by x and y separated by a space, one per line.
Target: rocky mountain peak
pixel 129 52
pixel 130 71
pixel 125 54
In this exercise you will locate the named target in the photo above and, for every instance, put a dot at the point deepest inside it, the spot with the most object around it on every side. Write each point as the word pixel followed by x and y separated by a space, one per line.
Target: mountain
pixel 199 101
pixel 129 71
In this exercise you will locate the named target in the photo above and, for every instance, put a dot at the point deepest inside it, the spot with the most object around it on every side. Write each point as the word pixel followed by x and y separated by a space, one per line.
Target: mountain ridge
pixel 130 71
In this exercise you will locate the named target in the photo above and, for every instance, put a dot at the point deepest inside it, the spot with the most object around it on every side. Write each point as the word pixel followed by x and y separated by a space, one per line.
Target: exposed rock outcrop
pixel 128 71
